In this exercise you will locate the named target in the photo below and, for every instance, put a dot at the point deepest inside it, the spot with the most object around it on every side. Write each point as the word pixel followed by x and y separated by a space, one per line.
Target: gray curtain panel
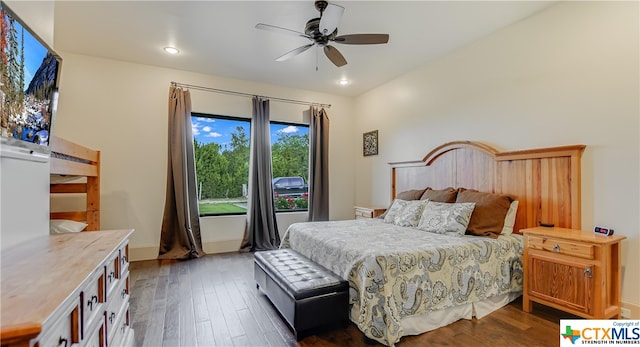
pixel 318 165
pixel 262 231
pixel 180 234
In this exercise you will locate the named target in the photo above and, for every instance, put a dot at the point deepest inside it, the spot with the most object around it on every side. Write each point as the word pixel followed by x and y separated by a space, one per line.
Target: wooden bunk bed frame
pixel 71 159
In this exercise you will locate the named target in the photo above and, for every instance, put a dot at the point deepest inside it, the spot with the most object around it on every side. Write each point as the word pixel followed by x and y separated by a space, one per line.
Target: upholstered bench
pixel 311 298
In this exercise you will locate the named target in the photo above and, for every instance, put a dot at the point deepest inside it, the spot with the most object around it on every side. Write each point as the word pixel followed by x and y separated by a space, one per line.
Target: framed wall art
pixel 370 143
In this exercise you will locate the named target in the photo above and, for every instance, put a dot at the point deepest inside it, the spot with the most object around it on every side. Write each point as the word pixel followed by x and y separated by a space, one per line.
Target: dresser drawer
pixel 124 258
pixel 64 332
pixel 93 298
pixel 560 246
pixel 115 305
pixel 112 272
pixel 96 335
pixel 115 337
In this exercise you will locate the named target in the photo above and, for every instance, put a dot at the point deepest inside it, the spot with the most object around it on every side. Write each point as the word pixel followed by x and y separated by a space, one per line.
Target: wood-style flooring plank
pixel 213 301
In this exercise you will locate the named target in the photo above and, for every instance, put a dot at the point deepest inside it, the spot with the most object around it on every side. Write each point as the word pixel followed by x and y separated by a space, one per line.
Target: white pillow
pixel 510 219
pixel 57 226
pixel 446 218
pixel 405 213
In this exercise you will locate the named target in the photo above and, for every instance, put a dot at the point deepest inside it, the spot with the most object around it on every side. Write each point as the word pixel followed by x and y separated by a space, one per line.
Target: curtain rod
pixel 231 92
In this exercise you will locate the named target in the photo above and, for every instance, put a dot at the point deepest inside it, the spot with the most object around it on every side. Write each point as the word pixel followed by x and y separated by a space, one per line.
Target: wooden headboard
pixel 545 181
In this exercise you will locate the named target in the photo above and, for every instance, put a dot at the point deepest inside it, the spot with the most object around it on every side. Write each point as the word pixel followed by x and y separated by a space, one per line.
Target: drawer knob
pixel 556 248
pixel 124 292
pixel 588 273
pixel 92 301
pixel 62 341
pixel 112 317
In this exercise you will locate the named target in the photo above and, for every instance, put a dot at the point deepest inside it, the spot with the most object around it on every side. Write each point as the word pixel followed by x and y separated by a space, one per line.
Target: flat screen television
pixel 29 74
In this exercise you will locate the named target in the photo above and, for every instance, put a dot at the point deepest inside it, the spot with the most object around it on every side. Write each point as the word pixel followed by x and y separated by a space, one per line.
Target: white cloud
pixel 289 129
pixel 213 134
pixel 195 128
pixel 206 128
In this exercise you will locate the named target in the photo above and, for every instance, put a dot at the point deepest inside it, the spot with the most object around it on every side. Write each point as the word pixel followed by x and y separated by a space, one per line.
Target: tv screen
pixel 29 72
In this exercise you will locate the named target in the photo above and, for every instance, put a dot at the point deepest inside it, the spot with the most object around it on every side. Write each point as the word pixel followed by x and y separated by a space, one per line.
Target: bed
pixel 405 281
pixel 74 170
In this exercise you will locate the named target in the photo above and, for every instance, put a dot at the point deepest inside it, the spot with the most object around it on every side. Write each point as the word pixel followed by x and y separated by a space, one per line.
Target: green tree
pixel 237 154
pixel 290 156
pixel 211 169
pixel 12 68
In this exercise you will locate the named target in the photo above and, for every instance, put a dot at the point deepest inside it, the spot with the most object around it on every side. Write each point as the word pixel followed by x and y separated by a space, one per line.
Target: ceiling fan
pixel 324 30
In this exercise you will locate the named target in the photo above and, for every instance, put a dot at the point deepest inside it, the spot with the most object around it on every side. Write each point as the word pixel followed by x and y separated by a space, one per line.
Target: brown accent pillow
pixel 488 216
pixel 410 194
pixel 447 195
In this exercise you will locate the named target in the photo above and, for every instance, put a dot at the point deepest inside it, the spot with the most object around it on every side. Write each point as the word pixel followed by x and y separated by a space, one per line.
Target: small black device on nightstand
pixel 603 231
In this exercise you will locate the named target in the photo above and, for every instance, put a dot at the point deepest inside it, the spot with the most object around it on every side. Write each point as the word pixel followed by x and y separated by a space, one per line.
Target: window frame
pixel 247 120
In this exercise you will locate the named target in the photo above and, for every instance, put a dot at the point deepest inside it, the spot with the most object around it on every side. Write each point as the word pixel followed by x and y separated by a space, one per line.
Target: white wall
pixel 121 109
pixel 568 75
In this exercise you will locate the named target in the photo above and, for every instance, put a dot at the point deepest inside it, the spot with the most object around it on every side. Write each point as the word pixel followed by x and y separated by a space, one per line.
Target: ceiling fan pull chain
pixel 317 48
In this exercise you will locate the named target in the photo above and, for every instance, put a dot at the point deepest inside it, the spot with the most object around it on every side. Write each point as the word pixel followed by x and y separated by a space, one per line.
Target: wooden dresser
pixel 67 289
pixel 572 270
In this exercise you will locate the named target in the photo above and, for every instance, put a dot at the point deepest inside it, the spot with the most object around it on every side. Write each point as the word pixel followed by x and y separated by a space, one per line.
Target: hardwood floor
pixel 213 301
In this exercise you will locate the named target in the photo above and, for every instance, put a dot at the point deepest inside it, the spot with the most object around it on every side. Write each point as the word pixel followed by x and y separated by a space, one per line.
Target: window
pixel 221 147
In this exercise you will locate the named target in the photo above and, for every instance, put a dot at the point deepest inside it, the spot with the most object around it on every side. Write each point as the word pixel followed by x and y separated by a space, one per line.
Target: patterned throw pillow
pixel 446 218
pixel 405 213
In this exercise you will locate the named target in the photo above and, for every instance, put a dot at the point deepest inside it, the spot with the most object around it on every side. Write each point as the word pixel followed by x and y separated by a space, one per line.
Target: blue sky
pixel 206 130
pixel 34 53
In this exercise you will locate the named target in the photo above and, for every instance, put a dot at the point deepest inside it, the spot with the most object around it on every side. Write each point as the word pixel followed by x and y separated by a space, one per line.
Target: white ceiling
pixel 219 38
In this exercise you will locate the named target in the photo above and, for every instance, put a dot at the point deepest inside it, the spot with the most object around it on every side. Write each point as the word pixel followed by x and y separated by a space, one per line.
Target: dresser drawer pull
pixel 62 340
pixel 92 301
pixel 556 248
pixel 124 259
pixel 588 273
pixel 112 275
pixel 124 292
pixel 112 317
pixel 123 327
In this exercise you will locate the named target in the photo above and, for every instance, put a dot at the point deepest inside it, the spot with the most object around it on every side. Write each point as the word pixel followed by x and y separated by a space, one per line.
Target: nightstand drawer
pixel 364 213
pixel 368 212
pixel 560 246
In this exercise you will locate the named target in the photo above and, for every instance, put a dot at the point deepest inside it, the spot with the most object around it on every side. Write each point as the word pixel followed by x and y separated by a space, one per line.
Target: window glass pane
pixel 221 146
pixel 290 161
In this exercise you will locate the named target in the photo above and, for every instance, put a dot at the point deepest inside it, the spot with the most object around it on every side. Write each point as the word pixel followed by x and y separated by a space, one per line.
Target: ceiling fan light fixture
pixel 171 50
pixel 323 31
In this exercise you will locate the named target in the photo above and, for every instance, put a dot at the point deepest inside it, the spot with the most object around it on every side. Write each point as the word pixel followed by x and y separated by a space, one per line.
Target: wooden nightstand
pixel 572 270
pixel 368 212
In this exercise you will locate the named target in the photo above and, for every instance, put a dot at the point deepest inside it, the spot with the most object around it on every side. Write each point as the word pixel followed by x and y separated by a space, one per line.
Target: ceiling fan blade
pixel 335 56
pixel 276 29
pixel 294 52
pixel 330 18
pixel 362 39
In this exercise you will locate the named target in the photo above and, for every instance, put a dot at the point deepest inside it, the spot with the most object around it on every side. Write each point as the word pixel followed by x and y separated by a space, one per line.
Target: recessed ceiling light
pixel 171 50
pixel 344 82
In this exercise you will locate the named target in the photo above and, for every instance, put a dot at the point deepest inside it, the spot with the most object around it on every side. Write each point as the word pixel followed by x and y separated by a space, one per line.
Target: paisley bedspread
pixel 396 272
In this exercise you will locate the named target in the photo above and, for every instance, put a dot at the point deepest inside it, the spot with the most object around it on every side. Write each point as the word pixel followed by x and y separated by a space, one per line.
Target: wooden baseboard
pixel 635 310
pixel 224 246
pixel 149 253
pixel 143 253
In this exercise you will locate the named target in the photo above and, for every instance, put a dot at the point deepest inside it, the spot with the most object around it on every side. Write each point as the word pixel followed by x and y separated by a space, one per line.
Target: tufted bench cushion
pixel 311 298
